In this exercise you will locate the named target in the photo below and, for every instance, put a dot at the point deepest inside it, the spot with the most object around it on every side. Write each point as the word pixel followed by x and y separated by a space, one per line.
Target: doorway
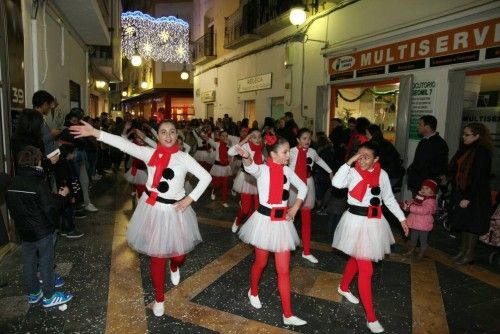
pixel 210 111
pixel 249 111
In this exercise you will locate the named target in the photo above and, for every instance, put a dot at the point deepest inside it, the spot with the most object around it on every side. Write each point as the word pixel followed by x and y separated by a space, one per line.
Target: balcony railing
pixel 255 19
pixel 204 49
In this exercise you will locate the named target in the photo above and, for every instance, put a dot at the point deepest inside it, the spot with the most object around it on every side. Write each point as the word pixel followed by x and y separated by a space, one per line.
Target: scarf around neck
pixel 369 178
pixel 223 157
pixel 301 164
pixel 160 159
pixel 276 175
pixel 257 152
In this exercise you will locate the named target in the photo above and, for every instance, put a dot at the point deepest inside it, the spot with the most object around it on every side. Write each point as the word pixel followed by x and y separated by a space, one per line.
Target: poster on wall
pixel 15 59
pixel 423 102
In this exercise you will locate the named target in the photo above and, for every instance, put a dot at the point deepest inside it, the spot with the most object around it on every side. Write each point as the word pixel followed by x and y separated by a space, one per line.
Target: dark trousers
pixel 39 256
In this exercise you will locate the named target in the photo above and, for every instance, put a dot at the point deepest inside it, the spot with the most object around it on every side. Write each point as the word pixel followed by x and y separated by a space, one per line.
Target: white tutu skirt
pixel 245 184
pixel 204 156
pixel 362 237
pixel 310 199
pixel 139 178
pixel 273 236
pixel 218 170
pixel 160 231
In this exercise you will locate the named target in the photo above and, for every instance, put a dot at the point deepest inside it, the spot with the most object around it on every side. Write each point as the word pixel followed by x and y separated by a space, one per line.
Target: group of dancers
pixel 275 183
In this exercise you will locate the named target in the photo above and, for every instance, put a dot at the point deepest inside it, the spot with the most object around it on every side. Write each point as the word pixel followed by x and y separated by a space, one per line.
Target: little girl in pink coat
pixel 420 220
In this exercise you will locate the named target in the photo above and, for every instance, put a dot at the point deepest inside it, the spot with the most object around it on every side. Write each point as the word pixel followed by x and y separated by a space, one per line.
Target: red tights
pixel 305 215
pixel 249 203
pixel 365 269
pixel 282 263
pixel 157 267
pixel 221 182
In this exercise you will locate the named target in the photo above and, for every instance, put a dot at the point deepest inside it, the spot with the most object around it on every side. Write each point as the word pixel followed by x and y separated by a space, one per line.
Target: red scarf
pixel 276 178
pixel 369 178
pixel 223 158
pixel 301 164
pixel 257 152
pixel 160 159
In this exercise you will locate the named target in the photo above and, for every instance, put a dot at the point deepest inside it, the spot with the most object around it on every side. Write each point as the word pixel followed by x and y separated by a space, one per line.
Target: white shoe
pixel 348 295
pixel 235 226
pixel 225 205
pixel 310 258
pixel 175 276
pixel 133 193
pixel 254 300
pixel 158 309
pixel 91 208
pixel 212 196
pixel 375 327
pixel 233 193
pixel 294 321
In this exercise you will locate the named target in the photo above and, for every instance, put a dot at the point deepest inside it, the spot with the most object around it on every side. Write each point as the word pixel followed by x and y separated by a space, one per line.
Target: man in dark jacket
pixel 33 208
pixel 431 155
pixel 291 129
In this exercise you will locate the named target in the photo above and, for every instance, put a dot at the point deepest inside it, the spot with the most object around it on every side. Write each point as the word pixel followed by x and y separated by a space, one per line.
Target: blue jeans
pixel 39 256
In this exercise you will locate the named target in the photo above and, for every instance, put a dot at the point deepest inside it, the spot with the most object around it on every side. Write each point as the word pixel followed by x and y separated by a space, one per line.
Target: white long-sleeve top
pixel 216 145
pixel 311 153
pixel 347 177
pixel 180 163
pixel 232 151
pixel 261 173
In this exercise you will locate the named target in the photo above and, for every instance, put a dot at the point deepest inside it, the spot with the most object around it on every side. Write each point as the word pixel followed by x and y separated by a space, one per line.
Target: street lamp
pixel 136 60
pixel 184 73
pixel 297 16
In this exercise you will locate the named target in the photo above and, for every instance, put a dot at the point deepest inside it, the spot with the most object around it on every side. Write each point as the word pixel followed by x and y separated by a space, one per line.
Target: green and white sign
pixel 423 102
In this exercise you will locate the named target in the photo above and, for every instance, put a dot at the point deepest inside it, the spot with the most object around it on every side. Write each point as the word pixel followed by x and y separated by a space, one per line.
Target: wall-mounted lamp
pixel 184 73
pixel 124 93
pixel 297 16
pixel 144 85
pixel 100 84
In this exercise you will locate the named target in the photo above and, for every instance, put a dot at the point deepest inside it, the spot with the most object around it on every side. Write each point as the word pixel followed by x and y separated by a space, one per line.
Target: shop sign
pixel 455 58
pixel 342 76
pixel 208 96
pixel 423 100
pixel 493 52
pixel 407 66
pixel 258 82
pixel 452 41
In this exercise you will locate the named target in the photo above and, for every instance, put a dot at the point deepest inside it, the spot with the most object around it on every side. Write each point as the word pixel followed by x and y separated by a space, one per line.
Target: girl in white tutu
pixel 137 174
pixel 245 183
pixel 270 228
pixel 203 152
pixel 302 160
pixel 221 170
pixel 163 225
pixel 363 233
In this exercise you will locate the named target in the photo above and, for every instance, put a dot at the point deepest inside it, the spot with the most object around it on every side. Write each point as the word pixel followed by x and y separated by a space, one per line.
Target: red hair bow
pixel 270 139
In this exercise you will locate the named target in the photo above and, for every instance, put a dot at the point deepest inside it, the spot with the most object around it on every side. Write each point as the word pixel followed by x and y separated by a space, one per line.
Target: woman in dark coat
pixel 470 170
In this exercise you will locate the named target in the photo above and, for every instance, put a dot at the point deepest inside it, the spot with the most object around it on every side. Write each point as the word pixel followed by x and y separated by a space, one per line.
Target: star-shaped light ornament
pixel 129 30
pixel 164 36
pixel 147 47
pixel 180 51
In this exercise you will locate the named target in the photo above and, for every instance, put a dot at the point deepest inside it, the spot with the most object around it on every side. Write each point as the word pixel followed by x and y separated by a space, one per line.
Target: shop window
pixel 377 103
pixel 182 112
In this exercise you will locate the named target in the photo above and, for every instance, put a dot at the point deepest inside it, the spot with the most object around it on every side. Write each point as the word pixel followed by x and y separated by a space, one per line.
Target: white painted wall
pixel 57 62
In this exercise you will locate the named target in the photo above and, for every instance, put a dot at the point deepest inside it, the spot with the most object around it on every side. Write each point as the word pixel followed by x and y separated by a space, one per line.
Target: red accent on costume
pixel 152 198
pixel 305 215
pixel 364 283
pixel 223 183
pixel 257 156
pixel 249 203
pixel 275 182
pixel 160 159
pixel 282 263
pixel 369 178
pixel 301 164
pixel 223 157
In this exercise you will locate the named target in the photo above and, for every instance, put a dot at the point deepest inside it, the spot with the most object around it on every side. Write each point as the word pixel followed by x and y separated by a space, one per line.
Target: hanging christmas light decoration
pixel 161 39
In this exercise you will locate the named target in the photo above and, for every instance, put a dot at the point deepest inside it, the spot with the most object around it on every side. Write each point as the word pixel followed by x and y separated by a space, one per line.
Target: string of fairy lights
pixel 160 39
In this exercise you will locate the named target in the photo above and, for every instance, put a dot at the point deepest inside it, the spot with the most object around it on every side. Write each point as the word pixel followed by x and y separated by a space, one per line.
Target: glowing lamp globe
pixel 144 85
pixel 297 16
pixel 184 75
pixel 136 60
pixel 100 84
pixel 124 93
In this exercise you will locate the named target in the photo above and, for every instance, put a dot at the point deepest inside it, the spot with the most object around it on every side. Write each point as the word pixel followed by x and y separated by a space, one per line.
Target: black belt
pixel 274 213
pixel 372 211
pixel 161 199
pixel 201 149
pixel 218 163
